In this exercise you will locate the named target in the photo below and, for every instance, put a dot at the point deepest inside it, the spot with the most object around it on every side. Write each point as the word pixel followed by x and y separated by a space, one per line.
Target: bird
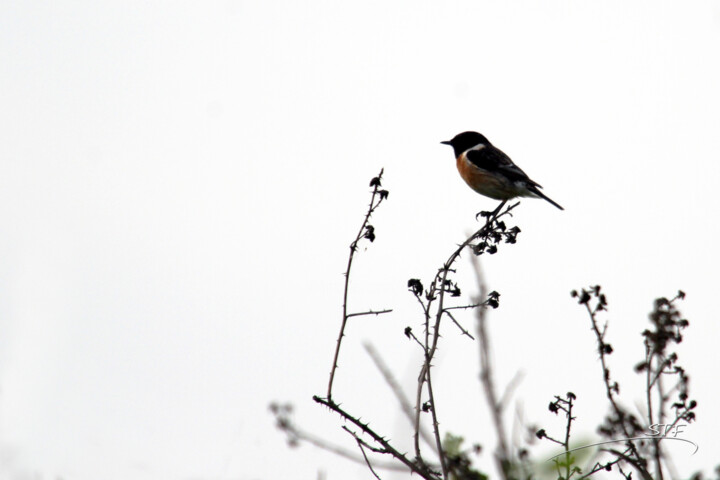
pixel 487 170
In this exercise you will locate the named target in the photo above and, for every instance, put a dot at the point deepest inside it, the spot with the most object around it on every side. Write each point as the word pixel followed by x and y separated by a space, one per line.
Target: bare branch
pixel 404 401
pixel 502 454
pixel 464 332
pixel 369 312
pixel 366 231
pixel 420 469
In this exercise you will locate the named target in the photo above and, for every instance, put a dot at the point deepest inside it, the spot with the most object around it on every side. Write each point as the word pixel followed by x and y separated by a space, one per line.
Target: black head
pixel 464 141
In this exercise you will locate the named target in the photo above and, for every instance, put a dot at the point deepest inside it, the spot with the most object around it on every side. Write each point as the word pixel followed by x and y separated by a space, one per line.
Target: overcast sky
pixel 179 182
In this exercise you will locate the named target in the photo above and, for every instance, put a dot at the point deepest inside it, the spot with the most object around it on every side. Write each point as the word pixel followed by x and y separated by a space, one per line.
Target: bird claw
pixel 486 214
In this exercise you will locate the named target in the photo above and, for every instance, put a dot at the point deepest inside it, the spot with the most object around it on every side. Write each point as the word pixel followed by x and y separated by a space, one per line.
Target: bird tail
pixel 537 192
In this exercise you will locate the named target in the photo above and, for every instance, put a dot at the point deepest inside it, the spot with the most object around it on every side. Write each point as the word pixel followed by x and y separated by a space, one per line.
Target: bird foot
pixel 494 213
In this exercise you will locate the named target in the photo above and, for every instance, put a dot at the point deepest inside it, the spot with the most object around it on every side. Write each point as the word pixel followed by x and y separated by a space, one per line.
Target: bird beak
pixel 447 142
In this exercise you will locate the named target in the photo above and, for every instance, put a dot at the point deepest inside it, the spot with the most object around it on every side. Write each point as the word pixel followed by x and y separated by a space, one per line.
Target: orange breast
pixel 484 182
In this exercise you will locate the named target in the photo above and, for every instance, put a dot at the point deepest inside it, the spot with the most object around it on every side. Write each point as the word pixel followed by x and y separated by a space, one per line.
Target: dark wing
pixel 494 160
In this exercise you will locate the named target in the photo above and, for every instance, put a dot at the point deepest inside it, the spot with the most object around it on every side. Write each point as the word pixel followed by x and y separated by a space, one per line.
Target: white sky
pixel 179 182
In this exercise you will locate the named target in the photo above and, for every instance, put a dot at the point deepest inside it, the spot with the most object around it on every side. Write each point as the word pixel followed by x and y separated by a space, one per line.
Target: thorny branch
pixel 421 469
pixel 454 464
pixel 405 404
pixel 295 435
pixel 366 231
pixel 485 240
pixel 626 422
pixel 657 364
